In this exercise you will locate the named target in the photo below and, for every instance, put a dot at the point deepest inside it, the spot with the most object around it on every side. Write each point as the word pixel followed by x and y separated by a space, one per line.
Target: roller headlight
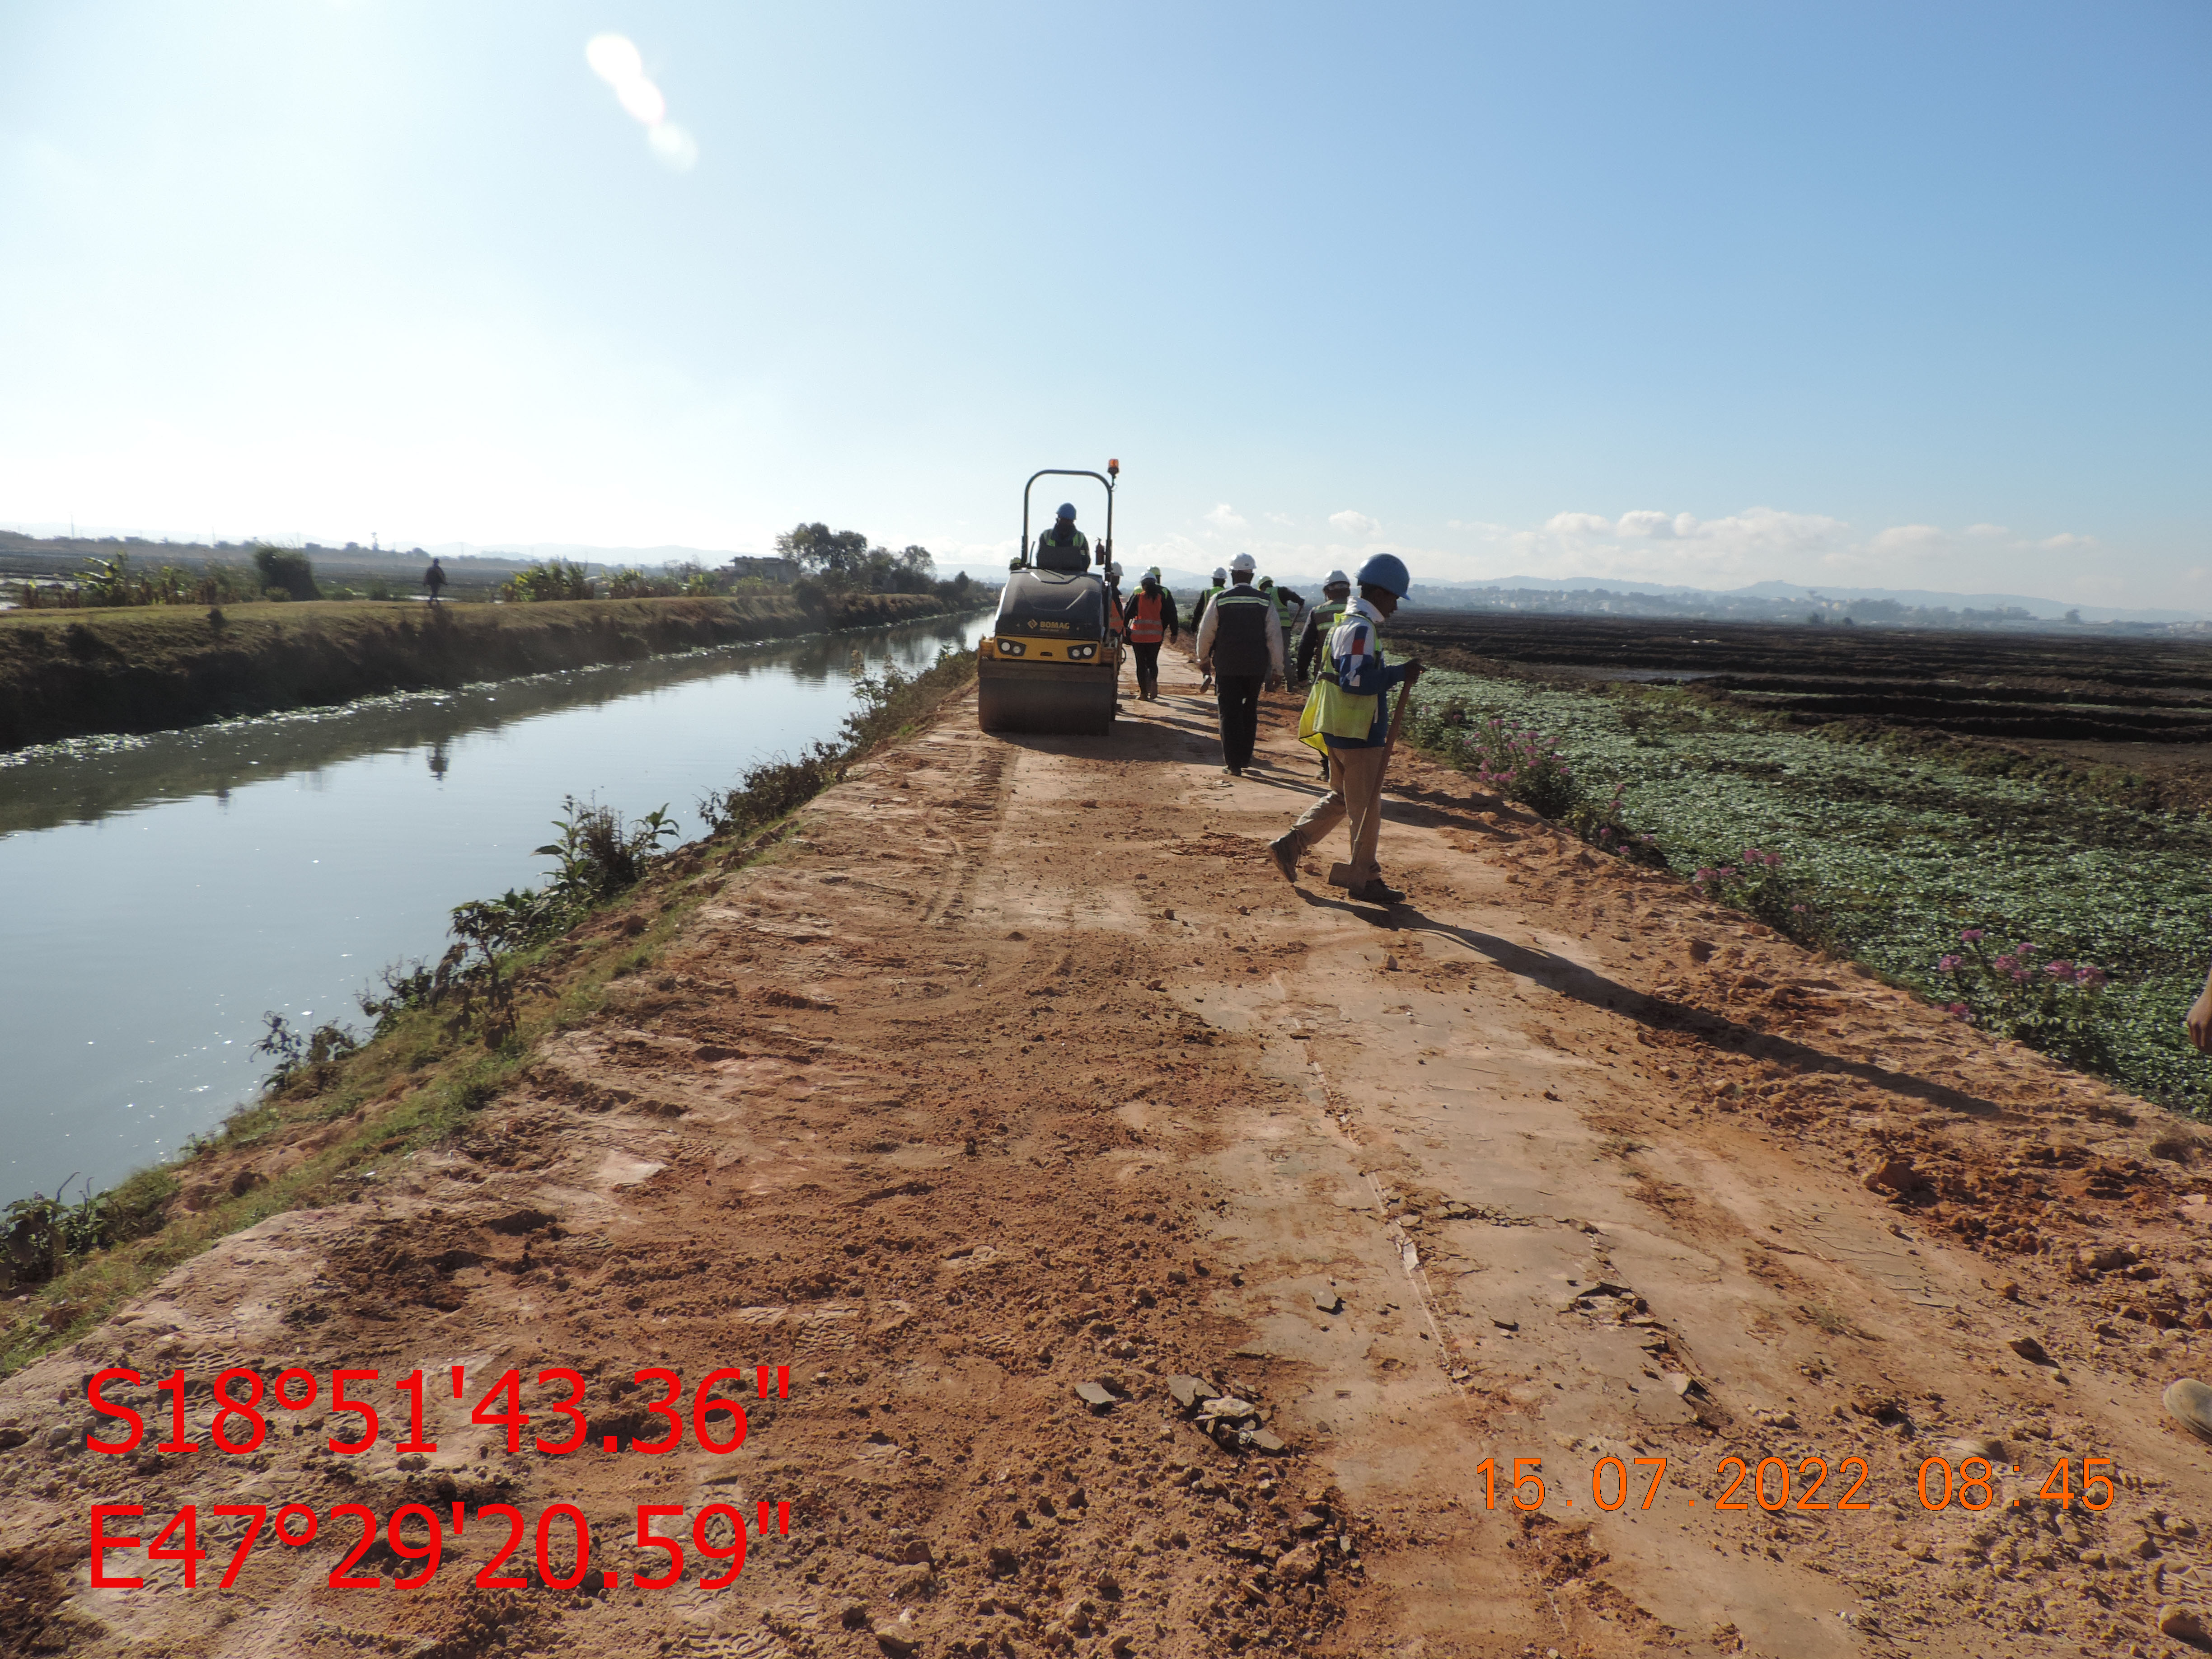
pixel 1079 652
pixel 1011 648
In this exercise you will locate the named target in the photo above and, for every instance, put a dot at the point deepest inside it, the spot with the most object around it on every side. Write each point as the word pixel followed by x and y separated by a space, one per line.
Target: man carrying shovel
pixel 1348 716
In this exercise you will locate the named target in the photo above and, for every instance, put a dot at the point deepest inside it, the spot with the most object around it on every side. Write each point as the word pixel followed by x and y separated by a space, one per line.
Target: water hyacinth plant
pixel 1522 765
pixel 1755 881
pixel 1604 824
pixel 1895 853
pixel 2051 1005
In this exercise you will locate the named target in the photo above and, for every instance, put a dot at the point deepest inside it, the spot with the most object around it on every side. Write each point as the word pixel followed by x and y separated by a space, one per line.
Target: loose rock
pixel 2184 1624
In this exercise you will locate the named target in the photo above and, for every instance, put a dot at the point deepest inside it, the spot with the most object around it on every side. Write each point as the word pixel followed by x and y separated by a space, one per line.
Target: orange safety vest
pixel 1145 624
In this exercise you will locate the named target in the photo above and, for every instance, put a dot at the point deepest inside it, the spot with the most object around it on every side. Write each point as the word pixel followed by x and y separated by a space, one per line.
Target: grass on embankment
pixel 1897 850
pixel 71 673
pixel 327 1133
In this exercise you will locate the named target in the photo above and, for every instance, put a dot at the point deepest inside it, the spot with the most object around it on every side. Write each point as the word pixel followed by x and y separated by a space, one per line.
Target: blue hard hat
pixel 1386 570
pixel 1067 510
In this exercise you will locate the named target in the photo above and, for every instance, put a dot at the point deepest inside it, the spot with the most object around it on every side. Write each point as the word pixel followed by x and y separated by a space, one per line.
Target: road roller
pixel 1052 662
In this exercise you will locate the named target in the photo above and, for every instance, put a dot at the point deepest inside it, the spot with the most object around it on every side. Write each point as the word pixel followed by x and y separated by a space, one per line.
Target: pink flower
pixel 1972 936
pixel 2088 977
pixel 1949 964
pixel 1959 1010
pixel 2059 970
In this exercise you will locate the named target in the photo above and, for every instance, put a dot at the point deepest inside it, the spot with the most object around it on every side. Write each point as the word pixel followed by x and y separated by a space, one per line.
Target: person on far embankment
pixel 1150 615
pixel 1239 646
pixel 435 579
pixel 1348 716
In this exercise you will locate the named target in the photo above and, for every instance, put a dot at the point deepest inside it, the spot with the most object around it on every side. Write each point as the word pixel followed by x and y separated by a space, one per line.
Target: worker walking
pixel 1198 615
pixel 1336 593
pixel 1150 615
pixel 435 579
pixel 1241 646
pixel 1313 638
pixel 1348 717
pixel 1287 605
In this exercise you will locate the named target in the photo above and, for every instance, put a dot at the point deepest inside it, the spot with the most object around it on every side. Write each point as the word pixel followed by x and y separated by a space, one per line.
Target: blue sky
pixel 1864 294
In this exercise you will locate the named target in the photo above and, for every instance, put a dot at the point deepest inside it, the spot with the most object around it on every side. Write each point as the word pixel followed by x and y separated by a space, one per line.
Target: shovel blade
pixel 1339 875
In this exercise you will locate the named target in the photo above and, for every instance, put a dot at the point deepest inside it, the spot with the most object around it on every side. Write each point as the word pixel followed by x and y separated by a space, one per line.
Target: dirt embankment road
pixel 1020 1068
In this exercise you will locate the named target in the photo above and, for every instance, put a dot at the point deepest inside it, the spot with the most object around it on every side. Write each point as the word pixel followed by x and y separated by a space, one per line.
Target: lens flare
pixel 614 58
pixel 675 148
pixel 643 99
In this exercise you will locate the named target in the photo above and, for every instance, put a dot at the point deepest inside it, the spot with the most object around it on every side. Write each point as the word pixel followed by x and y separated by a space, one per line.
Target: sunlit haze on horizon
pixel 1869 295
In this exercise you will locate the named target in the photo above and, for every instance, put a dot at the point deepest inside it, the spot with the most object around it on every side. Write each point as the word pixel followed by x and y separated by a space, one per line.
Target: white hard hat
pixel 1335 578
pixel 1244 562
pixel 1114 570
pixel 1219 575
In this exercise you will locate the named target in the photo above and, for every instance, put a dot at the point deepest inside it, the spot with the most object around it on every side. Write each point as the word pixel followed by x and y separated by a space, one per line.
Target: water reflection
pixel 163 892
pixel 90 778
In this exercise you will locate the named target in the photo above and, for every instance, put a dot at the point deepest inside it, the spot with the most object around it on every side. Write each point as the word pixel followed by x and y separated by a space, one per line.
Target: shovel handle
pixel 1397 719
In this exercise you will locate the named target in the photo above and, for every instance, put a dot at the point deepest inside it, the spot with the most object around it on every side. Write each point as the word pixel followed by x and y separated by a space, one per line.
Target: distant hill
pixel 1792 593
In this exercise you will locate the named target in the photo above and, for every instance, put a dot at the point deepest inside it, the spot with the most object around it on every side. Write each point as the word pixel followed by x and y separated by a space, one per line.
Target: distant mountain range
pixel 1765 600
pixel 1790 593
pixel 1578 595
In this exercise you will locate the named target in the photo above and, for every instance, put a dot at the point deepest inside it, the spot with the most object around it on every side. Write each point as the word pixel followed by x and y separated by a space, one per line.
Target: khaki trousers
pixel 1355 788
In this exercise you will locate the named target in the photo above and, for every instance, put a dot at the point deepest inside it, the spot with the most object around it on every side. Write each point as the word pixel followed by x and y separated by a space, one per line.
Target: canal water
pixel 159 896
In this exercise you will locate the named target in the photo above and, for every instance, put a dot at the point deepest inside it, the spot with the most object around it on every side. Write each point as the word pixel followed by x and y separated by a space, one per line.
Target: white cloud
pixel 1906 538
pixel 1224 517
pixel 1657 527
pixel 1354 523
pixel 1762 544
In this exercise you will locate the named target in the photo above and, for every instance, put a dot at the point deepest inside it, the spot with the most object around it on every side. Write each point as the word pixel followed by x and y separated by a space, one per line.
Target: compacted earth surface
pixel 1150 1257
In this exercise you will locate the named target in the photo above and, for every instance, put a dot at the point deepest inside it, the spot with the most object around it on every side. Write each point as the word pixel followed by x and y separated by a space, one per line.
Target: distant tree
pixel 838 558
pixel 286 569
pixel 844 560
pixel 2074 616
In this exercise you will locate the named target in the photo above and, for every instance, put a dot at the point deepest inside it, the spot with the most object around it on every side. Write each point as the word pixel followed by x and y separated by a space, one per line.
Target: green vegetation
pixel 285 572
pixel 445 1041
pixel 553 579
pixel 843 561
pixel 1892 856
pixel 111 583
